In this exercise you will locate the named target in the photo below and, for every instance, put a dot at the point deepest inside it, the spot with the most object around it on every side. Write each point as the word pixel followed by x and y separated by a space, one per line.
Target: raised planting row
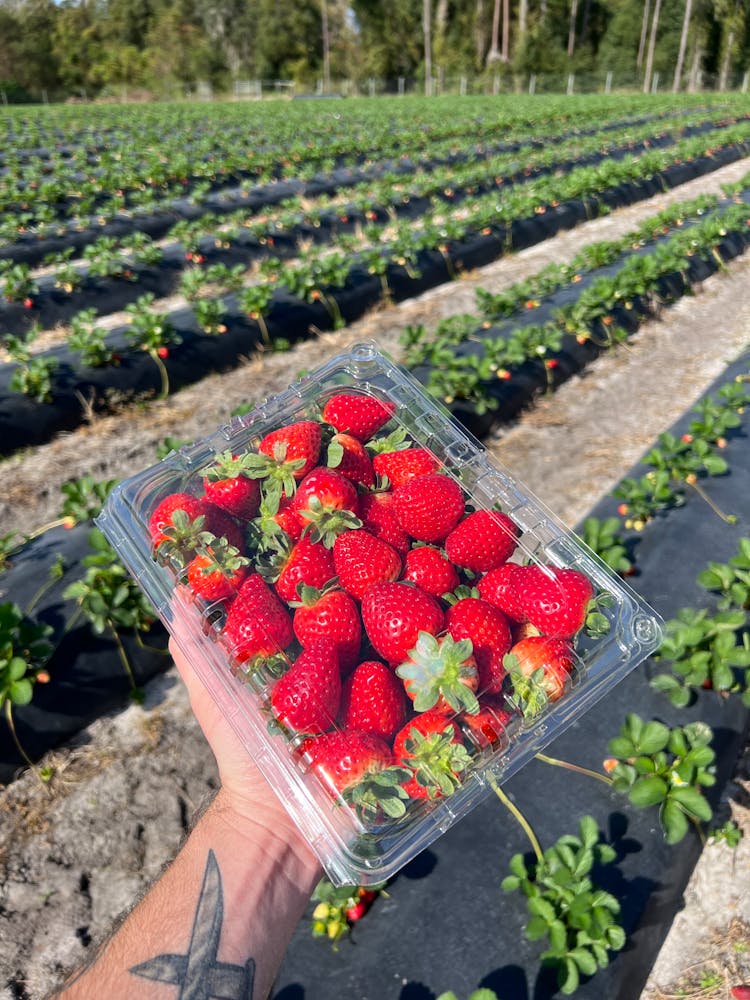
pixel 322 291
pixel 115 272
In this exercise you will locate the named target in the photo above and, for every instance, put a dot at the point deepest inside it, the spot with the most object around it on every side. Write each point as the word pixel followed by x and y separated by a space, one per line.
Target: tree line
pixel 90 48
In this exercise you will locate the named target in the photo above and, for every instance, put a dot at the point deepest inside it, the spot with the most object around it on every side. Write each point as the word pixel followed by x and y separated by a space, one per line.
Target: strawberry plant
pixel 152 333
pixel 105 259
pixel 18 285
pixel 603 536
pixel 210 315
pixel 84 497
pixel 33 376
pixel 340 907
pixel 255 300
pixel 88 340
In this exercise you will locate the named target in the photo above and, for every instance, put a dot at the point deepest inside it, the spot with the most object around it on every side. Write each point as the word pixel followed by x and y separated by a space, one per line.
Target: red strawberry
pixel 360 560
pixel 162 517
pixel 482 541
pixel 489 631
pixel 329 613
pixel 258 624
pixel 347 455
pixel 223 525
pixel 499 587
pixel 555 600
pixel 360 767
pixel 441 674
pixel 430 745
pixel 306 563
pixel 288 519
pixel 429 507
pixel 299 442
pixel 181 525
pixel 227 486
pixel 740 992
pixel 307 697
pixel 488 727
pixel 327 501
pixel 373 700
pixel 378 516
pixel 394 614
pixel 217 571
pixel 402 466
pixel 428 568
pixel 540 669
pixel 357 414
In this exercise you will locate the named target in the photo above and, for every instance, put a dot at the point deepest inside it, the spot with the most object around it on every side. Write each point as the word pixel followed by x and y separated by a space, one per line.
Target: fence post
pixel 745 79
pixel 571 81
pixel 371 87
pixel 655 84
pixel 608 83
pixel 462 86
pixel 496 85
pixel 532 83
pixel 401 86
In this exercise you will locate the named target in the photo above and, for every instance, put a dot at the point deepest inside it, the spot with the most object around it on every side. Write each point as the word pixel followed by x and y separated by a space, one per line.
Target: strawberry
pixel 428 568
pixel 328 502
pixel 399 467
pixel 555 600
pixel 360 560
pixel 163 515
pixel 432 748
pixel 300 563
pixel 223 525
pixel 360 767
pixel 373 700
pixel 227 486
pixel 429 507
pixel 258 624
pixel 298 443
pixel 394 614
pixel 181 525
pixel 441 674
pixel 488 727
pixel 216 572
pixel 357 414
pixel 378 516
pixel 500 588
pixel 539 669
pixel 488 629
pixel 307 697
pixel 347 455
pixel 329 613
pixel 482 541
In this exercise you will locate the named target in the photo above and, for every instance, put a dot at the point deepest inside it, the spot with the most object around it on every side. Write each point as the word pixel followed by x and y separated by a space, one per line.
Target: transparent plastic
pixel 354 847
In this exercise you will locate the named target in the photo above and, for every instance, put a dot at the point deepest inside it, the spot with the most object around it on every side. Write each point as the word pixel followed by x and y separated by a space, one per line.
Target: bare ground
pixel 66 872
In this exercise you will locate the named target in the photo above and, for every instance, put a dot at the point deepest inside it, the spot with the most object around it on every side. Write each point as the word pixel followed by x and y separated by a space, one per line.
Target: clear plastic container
pixel 516 721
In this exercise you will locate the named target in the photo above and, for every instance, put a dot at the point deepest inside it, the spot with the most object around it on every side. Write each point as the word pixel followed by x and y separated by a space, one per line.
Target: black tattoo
pixel 198 974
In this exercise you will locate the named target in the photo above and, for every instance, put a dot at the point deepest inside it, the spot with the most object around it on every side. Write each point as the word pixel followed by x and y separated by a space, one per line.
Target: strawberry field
pixel 165 268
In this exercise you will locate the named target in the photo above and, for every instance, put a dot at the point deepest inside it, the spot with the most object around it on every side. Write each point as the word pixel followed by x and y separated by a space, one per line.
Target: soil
pixel 67 872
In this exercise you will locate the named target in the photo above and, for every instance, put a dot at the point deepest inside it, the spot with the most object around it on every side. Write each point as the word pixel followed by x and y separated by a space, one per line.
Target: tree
pixel 683 46
pixel 427 34
pixel 651 48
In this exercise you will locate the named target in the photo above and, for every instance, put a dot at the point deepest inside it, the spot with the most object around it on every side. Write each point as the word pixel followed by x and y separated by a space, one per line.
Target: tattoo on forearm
pixel 199 975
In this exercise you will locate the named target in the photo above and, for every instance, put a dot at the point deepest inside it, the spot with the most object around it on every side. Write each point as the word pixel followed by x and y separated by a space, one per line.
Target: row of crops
pixel 141 251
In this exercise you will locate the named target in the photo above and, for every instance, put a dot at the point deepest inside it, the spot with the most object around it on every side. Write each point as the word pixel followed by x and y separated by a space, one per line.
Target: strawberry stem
pixel 727 518
pixel 517 815
pixel 12 727
pixel 556 762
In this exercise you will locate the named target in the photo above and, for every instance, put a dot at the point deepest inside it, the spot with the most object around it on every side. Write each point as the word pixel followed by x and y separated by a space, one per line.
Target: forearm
pixel 223 912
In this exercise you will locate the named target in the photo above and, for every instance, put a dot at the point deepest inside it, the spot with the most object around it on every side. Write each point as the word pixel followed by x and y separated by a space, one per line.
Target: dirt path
pixel 115 446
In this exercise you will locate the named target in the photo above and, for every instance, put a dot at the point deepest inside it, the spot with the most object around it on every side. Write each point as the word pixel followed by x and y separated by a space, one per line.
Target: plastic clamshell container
pixel 353 849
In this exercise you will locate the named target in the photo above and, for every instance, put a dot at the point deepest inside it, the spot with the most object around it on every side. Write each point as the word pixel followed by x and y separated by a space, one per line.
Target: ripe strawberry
pixel 181 525
pixel 394 614
pixel 499 587
pixel 377 515
pixel 441 674
pixel 285 456
pixel 360 560
pixel 482 541
pixel 555 600
pixel 488 727
pixel 306 563
pixel 347 455
pixel 227 486
pixel 539 669
pixel 329 613
pixel 401 467
pixel 357 414
pixel 428 568
pixel 429 507
pixel 373 700
pixel 163 515
pixel 360 767
pixel 488 629
pixel 430 745
pixel 307 697
pixel 327 501
pixel 223 525
pixel 217 571
pixel 258 624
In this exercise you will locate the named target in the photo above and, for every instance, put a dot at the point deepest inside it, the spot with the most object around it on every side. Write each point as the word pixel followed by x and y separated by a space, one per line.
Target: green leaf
pixel 654 736
pixel 536 928
pixel 584 960
pixel 568 978
pixel 20 692
pixel 615 937
pixel 589 831
pixel 674 822
pixel 647 791
pixel 692 800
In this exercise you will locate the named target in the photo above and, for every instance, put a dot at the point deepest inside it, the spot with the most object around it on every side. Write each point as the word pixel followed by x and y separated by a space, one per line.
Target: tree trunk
pixel 683 46
pixel 505 52
pixel 480 39
pixel 651 47
pixel 572 27
pixel 523 16
pixel 695 68
pixel 494 54
pixel 585 23
pixel 644 29
pixel 326 47
pixel 724 77
pixel 427 30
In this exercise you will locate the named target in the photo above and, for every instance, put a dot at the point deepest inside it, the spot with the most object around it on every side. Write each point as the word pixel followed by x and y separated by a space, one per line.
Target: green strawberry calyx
pixel 436 760
pixel 379 792
pixel 530 695
pixel 441 667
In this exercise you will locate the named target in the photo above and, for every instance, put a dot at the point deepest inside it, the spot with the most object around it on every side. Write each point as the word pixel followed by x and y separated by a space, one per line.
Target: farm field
pixel 567 276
